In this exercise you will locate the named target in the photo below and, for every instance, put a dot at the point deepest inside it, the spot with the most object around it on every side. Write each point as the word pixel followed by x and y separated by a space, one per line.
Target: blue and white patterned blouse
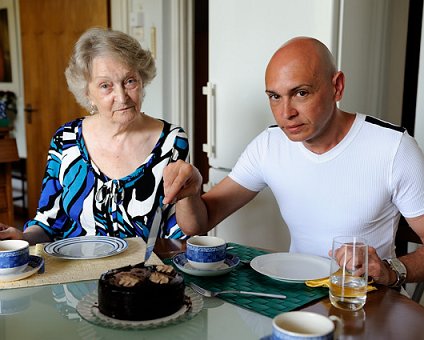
pixel 78 199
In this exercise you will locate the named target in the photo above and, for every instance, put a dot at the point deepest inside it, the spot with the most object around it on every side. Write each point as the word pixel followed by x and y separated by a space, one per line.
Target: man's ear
pixel 338 84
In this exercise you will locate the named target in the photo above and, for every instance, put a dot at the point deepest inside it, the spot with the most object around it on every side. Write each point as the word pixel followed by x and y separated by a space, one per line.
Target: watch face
pixel 400 270
pixel 398 266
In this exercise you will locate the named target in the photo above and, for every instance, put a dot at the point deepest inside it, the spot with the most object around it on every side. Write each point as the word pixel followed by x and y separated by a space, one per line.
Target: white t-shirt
pixel 356 188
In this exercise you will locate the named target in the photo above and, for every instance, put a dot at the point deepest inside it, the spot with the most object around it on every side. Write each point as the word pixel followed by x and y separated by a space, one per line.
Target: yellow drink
pixel 348 292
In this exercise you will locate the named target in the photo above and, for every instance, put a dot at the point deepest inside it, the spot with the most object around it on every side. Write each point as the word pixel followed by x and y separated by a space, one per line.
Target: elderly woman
pixel 104 171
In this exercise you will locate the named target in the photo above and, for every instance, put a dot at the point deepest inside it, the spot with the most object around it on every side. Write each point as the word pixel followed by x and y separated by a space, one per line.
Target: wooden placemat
pixel 57 270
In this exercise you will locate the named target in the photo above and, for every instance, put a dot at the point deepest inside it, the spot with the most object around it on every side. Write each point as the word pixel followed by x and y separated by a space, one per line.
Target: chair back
pixel 405 235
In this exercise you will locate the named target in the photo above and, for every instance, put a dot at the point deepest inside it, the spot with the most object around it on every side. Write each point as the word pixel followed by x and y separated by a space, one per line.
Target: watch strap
pixel 400 270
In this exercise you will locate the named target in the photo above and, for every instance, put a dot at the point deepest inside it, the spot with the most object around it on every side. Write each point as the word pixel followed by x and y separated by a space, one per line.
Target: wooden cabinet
pixel 8 154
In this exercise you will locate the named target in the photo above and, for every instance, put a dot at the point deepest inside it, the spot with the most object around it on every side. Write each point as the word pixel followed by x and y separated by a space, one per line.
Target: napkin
pixel 325 282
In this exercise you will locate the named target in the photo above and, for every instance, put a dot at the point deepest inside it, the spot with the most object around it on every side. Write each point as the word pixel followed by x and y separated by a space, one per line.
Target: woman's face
pixel 115 90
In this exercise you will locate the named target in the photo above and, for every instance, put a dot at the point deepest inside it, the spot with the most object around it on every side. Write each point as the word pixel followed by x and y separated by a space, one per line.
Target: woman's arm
pixel 33 235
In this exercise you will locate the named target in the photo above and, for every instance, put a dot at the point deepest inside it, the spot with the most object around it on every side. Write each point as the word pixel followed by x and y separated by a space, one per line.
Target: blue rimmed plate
pixel 180 260
pixel 86 247
pixel 35 264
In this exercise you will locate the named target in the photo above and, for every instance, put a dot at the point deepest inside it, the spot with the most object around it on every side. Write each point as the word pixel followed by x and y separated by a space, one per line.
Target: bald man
pixel 332 172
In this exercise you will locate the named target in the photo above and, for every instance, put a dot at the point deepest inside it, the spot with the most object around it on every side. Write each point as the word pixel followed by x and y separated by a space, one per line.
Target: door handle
pixel 209 147
pixel 29 110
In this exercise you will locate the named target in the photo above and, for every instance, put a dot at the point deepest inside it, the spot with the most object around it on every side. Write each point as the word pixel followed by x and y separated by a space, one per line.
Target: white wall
pixel 419 112
pixel 373 49
pixel 391 109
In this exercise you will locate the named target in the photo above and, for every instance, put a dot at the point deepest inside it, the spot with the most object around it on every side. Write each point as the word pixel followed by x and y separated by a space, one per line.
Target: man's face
pixel 302 97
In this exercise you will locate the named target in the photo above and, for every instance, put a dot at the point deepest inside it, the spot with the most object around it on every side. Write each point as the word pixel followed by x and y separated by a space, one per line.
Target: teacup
pixel 206 252
pixel 14 256
pixel 304 325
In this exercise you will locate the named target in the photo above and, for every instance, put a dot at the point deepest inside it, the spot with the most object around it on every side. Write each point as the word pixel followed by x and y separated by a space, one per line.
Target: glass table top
pixel 49 312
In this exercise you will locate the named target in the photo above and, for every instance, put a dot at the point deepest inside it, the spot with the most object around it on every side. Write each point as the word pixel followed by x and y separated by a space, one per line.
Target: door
pixel 239 50
pixel 49 29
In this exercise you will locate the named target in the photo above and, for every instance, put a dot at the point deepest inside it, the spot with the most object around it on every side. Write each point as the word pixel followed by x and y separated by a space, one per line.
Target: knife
pixel 153 232
pixel 157 219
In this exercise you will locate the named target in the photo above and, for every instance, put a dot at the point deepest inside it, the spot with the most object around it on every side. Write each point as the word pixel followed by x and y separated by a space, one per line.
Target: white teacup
pixel 304 325
pixel 14 256
pixel 206 252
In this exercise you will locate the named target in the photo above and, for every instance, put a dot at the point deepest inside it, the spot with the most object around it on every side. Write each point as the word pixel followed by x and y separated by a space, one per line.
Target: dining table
pixel 51 309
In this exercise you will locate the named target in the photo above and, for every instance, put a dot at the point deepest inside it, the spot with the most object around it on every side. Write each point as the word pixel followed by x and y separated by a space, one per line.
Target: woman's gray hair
pixel 105 42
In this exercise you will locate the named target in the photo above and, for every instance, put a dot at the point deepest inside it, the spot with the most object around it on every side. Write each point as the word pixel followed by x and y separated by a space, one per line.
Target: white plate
pixel 88 309
pixel 230 262
pixel 86 247
pixel 292 267
pixel 35 264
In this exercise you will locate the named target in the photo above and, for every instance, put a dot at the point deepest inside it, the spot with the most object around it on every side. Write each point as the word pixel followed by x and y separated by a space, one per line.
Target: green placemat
pixel 243 277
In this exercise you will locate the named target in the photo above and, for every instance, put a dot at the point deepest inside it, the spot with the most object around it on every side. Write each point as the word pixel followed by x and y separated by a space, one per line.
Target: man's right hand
pixel 181 180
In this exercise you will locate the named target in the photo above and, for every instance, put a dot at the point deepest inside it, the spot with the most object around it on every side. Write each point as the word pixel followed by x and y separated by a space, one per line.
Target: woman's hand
pixel 10 233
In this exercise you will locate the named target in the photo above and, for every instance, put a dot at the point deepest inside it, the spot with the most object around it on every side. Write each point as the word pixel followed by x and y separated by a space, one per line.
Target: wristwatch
pixel 399 268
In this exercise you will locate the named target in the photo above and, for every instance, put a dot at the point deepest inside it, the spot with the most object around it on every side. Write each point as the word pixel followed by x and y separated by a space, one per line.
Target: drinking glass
pixel 349 273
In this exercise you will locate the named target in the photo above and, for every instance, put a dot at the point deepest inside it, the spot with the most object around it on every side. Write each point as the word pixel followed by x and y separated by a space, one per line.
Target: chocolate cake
pixel 140 292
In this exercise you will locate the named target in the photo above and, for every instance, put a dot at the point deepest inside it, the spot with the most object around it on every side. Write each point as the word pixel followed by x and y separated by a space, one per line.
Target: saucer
pixel 268 337
pixel 230 262
pixel 35 264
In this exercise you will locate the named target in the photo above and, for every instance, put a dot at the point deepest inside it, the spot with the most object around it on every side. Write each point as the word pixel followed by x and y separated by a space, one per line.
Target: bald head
pixel 303 87
pixel 304 52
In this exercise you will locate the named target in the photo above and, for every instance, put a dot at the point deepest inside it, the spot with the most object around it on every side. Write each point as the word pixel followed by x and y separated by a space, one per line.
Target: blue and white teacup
pixel 14 256
pixel 206 252
pixel 305 325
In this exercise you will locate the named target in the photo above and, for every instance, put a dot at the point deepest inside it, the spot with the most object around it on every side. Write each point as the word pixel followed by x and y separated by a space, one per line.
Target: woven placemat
pixel 58 270
pixel 243 277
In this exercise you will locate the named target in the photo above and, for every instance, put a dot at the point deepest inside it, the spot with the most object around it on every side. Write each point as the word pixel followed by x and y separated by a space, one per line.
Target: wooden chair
pixel 8 154
pixel 404 236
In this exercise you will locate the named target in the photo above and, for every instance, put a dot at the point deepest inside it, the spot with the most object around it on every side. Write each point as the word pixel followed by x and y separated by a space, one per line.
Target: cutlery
pixel 153 233
pixel 208 293
pixel 157 219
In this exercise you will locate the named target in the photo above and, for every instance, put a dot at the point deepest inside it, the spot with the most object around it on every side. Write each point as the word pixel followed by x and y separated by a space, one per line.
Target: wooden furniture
pixel 404 236
pixel 8 154
pixel 19 174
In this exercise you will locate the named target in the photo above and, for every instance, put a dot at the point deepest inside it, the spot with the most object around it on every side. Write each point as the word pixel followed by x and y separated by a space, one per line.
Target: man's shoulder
pixel 270 138
pixel 272 132
pixel 379 123
pixel 273 127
